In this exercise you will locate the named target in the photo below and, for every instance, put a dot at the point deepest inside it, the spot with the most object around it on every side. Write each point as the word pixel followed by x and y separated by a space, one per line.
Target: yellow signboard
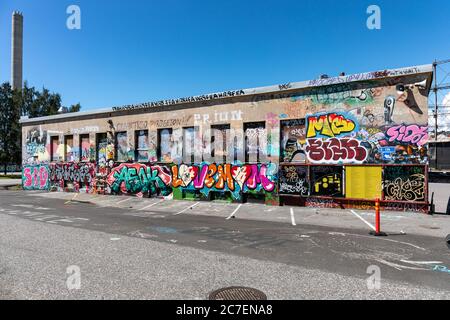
pixel 363 182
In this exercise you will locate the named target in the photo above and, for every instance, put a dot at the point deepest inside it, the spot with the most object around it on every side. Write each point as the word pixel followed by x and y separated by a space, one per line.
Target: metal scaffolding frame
pixel 441 85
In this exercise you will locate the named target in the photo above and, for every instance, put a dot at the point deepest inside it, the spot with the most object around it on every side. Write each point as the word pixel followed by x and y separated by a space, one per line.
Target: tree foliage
pixel 26 102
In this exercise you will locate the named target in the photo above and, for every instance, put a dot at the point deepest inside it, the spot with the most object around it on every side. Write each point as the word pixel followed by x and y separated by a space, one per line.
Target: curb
pixel 7 186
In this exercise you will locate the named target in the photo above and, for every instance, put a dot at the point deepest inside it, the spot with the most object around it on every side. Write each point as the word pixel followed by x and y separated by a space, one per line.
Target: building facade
pixel 330 142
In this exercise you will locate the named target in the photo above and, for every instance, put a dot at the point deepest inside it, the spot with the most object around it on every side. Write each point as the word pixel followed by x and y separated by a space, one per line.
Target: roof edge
pixel 358 77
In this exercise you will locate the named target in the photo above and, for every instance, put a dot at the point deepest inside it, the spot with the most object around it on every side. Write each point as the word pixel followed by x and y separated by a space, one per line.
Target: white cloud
pixel 446 101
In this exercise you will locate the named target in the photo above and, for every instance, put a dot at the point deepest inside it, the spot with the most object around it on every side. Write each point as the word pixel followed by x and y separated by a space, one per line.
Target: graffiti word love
pixel 329 125
pixel 408 134
pixel 223 177
pixel 336 151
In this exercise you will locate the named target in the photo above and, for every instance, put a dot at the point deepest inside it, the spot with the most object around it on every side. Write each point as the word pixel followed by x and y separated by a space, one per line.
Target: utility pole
pixel 435 114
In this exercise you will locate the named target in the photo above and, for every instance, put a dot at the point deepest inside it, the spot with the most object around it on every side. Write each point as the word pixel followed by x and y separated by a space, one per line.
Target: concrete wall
pixel 308 142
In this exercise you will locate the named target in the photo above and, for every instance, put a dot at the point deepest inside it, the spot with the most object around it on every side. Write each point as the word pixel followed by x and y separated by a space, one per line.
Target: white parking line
pixel 292 217
pixel 186 209
pixel 371 226
pixel 234 212
pixel 152 205
pixel 122 201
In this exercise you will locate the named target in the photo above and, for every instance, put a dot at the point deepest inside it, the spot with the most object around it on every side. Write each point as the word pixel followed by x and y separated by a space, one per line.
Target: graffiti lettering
pixel 35 177
pixel 78 175
pixel 412 134
pixel 401 189
pixel 336 151
pixel 293 180
pixel 140 180
pixel 329 125
pixel 225 177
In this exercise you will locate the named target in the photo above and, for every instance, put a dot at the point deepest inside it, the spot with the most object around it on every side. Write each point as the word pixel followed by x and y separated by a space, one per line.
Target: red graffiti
pixel 336 151
pixel 410 134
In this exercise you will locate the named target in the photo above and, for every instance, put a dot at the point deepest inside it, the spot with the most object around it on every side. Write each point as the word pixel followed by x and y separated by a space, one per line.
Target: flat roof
pixel 374 75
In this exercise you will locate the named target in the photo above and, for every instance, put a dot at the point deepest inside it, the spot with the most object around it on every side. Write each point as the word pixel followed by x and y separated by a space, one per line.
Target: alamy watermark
pixel 374 281
pixel 74 20
pixel 374 19
pixel 73 281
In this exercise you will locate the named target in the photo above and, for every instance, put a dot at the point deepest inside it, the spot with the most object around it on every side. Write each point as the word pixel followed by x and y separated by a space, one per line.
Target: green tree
pixel 75 108
pixel 25 102
pixel 10 135
pixel 43 103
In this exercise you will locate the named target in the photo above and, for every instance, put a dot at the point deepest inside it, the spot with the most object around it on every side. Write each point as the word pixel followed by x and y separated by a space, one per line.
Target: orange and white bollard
pixel 377 231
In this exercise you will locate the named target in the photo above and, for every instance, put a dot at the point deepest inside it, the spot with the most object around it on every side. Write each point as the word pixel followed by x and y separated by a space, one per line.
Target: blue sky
pixel 143 50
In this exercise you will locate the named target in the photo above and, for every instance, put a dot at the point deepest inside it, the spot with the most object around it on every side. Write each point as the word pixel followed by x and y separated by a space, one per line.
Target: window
pixel 85 147
pixel 102 147
pixel 255 141
pixel 141 142
pixel 293 139
pixel 54 146
pixel 121 146
pixel 221 153
pixel 188 144
pixel 69 155
pixel 165 145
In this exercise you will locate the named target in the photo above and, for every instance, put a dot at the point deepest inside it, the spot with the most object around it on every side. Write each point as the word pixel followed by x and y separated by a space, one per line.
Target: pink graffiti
pixel 35 178
pixel 336 151
pixel 410 134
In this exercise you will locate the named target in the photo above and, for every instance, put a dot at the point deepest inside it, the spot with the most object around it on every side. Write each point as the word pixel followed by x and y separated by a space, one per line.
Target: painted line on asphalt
pixel 152 205
pixel 123 201
pixel 384 239
pixel 234 212
pixel 73 198
pixel 362 219
pixel 421 262
pixel 399 266
pixel 186 209
pixel 292 217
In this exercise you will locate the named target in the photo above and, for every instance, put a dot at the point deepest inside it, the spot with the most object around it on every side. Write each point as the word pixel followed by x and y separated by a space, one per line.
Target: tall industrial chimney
pixel 17 50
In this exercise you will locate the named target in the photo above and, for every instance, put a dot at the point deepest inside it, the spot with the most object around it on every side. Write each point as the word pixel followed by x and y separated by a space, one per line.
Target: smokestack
pixel 17 50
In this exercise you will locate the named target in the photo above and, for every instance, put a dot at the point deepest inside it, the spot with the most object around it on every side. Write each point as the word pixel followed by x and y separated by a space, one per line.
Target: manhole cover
pixel 237 293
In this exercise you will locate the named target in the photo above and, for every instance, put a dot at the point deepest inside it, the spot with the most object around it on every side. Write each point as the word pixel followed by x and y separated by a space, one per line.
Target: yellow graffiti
pixel 329 125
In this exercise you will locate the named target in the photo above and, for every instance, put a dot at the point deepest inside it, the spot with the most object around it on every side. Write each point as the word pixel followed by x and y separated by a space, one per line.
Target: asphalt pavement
pixel 161 252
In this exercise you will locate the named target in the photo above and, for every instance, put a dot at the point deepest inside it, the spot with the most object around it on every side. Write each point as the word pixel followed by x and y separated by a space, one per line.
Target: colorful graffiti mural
pixel 413 134
pixel 314 135
pixel 329 125
pixel 336 151
pixel 72 176
pixel 140 180
pixel 35 177
pixel 236 179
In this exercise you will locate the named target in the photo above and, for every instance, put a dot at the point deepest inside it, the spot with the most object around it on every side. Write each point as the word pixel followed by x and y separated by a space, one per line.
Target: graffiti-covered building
pixel 329 142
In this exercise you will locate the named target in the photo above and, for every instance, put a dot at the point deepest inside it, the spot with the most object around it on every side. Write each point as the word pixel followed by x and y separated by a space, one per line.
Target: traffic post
pixel 377 231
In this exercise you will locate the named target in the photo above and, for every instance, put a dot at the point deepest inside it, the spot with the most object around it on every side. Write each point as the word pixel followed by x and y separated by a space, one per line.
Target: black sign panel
pixel 404 183
pixel 327 181
pixel 294 180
